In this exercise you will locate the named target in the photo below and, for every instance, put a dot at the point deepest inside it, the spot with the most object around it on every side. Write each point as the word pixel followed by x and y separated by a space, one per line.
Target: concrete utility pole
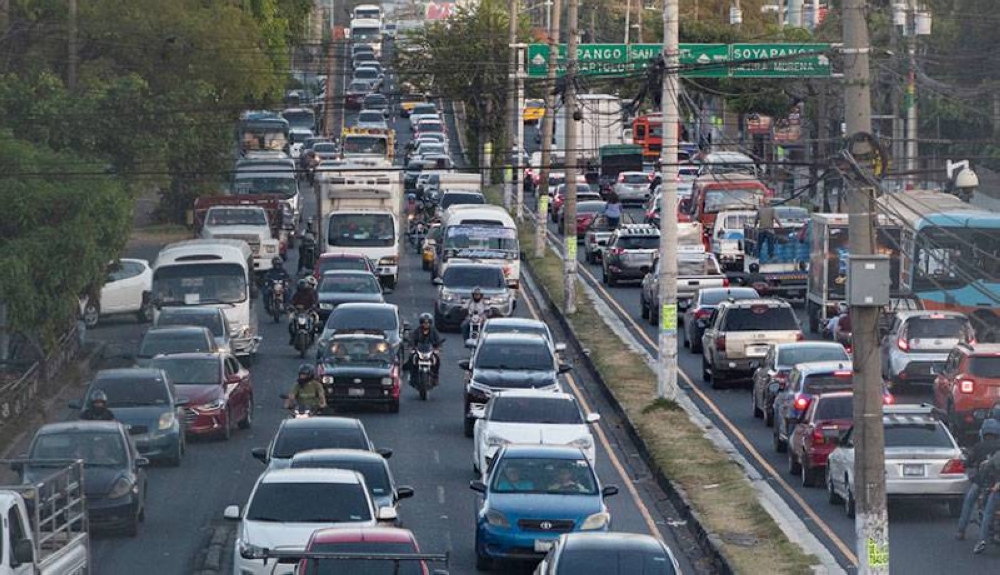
pixel 519 129
pixel 569 207
pixel 666 377
pixel 795 13
pixel 512 113
pixel 910 99
pixel 74 58
pixel 548 124
pixel 871 524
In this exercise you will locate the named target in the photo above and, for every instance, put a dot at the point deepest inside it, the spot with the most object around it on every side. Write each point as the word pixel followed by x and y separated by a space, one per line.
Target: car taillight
pixel 953 467
pixel 800 336
pixel 720 343
pixel 702 313
pixel 888 398
pixel 780 377
pixel 801 403
pixel 967 386
pixel 617 251
pixel 725 282
pixel 818 438
pixel 903 345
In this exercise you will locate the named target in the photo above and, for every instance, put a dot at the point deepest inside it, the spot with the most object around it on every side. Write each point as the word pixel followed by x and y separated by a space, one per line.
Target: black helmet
pixel 990 427
pixel 277 262
pixel 307 370
pixel 98 396
pixel 427 318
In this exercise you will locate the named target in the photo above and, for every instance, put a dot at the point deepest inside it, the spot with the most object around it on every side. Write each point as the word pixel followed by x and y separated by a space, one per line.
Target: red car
pixel 342 261
pixel 817 433
pixel 585 213
pixel 968 386
pixel 583 194
pixel 374 541
pixel 216 389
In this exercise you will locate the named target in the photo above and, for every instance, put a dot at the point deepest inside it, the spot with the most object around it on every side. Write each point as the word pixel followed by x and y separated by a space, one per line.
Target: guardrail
pixel 16 396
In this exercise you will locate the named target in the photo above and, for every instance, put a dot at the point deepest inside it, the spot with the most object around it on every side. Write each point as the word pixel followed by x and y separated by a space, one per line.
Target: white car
pixel 518 325
pixel 126 290
pixel 533 417
pixel 371 119
pixel 287 505
pixel 922 461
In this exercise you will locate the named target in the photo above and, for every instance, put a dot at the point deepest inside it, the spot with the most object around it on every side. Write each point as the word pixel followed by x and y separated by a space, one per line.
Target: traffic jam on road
pixel 346 370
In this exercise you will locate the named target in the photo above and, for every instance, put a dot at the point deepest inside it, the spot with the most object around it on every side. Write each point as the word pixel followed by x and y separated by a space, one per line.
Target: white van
pixel 213 273
pixel 479 233
pixel 719 163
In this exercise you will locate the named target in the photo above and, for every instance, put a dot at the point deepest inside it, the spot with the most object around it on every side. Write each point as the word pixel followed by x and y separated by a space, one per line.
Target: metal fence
pixel 18 396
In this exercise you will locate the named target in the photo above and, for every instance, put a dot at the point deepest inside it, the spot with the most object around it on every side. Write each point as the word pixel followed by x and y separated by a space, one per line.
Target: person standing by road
pixel 613 210
pixel 989 443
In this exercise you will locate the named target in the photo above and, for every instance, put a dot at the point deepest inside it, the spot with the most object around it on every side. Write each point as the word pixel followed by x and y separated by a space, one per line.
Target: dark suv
pixel 630 253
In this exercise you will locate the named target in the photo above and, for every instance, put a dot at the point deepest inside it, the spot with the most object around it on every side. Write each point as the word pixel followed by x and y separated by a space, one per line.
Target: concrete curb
pixel 216 557
pixel 790 524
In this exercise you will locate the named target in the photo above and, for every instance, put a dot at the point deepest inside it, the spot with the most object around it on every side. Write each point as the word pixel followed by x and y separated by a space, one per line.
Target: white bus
pixel 367 12
pixel 367 31
pixel 480 233
pixel 214 273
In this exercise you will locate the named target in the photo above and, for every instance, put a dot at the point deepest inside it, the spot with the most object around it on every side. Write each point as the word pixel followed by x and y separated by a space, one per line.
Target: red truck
pixel 714 193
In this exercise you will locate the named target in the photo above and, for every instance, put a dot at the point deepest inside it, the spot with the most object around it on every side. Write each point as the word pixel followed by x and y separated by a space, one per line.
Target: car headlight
pixel 583 443
pixel 496 519
pixel 496 440
pixel 326 306
pixel 248 550
pixel 121 488
pixel 387 261
pixel 500 298
pixel 387 382
pixel 271 249
pixel 167 420
pixel 447 295
pixel 596 521
pixel 212 406
pixel 328 379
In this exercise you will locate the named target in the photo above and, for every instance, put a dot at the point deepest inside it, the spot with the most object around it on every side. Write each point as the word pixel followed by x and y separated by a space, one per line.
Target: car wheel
pixel 696 345
pixel 808 474
pixel 247 421
pixel 718 382
pixel 604 275
pixel 706 372
pixel 227 428
pixel 612 280
pixel 794 467
pixel 91 314
pixel 768 417
pixel 483 562
pixel 779 444
pixel 132 529
pixel 175 459
pixel 831 494
pixel 848 500
pixel 469 426
pixel 394 407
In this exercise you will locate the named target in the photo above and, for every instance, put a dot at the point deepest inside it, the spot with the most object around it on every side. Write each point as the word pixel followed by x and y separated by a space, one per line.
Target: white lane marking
pixel 440 491
pixel 437 457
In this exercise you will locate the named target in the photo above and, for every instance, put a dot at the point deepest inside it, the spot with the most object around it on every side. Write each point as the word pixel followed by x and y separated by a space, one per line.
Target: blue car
pixel 531 495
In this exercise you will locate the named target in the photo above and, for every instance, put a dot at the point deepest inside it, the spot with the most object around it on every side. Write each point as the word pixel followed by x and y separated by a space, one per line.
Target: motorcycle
pixel 307 251
pixel 275 303
pixel 417 233
pixel 303 323
pixel 423 378
pixel 299 411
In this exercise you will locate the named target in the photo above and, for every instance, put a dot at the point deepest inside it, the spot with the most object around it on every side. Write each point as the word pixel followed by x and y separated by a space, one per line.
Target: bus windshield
pixel 361 230
pixel 200 283
pixel 948 258
pixel 264 137
pixel 365 145
pixel 481 242
pixel 300 119
pixel 733 199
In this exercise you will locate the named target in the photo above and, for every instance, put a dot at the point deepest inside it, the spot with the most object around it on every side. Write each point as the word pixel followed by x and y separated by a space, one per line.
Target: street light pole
pixel 569 209
pixel 548 124
pixel 512 114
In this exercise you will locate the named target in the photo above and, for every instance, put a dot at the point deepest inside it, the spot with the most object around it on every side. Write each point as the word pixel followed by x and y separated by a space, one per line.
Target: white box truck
pixel 600 125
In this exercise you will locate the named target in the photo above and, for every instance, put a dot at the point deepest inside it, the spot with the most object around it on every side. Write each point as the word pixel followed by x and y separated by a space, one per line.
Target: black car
pixel 211 317
pixel 608 554
pixel 174 339
pixel 296 435
pixel 361 368
pixel 114 474
pixel 352 317
pixel 338 287
pixel 508 361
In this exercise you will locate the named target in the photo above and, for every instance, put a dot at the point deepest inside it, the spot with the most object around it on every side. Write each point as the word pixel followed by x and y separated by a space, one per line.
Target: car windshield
pixel 635 179
pixel 456 199
pixel 650 242
pixel 249 183
pixel 366 74
pixel 358 87
pixel 324 148
pixel 165 343
pixel 507 355
pixel 375 473
pixel 701 267
pixel 361 230
pixel 200 283
pixel 761 317
pixel 493 327
pixel 376 117
pixel 363 566
pixel 714 297
pixel 335 264
pixel 213 321
pixel 473 276
pixel 943 328
pixel 820 382
pixel 490 242
pixel 189 370
pixel 361 144
pixel 349 283
pixel 100 449
pixel 132 392
pixel 840 407
pixel 605 562
pixel 549 476
pixel 931 434
pixel 360 351
pixel 236 217
pixel 733 199
pixel 424 109
pixel 295 502
pixel 542 410
pixel 376 102
pixel 808 354
pixel 292 440
pixel 984 366
pixel 351 318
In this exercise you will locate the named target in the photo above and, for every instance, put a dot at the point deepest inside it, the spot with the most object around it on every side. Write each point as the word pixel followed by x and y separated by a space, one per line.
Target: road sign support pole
pixel 519 141
pixel 548 123
pixel 666 377
pixel 571 155
pixel 871 524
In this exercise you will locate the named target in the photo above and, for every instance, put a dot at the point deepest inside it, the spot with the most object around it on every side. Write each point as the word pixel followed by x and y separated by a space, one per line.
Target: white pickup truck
pixel 696 269
pixel 45 529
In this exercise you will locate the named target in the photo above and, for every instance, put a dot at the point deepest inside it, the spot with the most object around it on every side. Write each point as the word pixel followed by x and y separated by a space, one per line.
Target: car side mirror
pixel 477 486
pixel 465 365
pixel 609 490
pixel 260 454
pixel 24 552
pixel 404 492
pixel 438 281
pixel 593 417
pixel 76 404
pixel 560 347
pixel 142 462
pixel 385 453
pixel 386 514
pixel 232 512
pixel 565 368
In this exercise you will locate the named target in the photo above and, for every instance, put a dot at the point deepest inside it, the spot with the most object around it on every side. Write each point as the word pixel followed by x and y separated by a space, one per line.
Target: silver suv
pixel 630 253
pixel 917 345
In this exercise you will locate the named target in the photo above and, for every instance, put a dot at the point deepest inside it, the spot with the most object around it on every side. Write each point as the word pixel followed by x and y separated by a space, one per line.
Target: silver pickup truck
pixel 696 270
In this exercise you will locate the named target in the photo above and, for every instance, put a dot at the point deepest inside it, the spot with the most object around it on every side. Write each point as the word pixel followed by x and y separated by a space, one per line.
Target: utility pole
pixel 910 99
pixel 74 58
pixel 871 524
pixel 569 209
pixel 512 113
pixel 628 19
pixel 548 124
pixel 519 130
pixel 666 377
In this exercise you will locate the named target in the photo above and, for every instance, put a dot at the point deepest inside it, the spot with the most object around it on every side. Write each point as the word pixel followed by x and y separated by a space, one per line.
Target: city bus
pixel 647 133
pixel 262 131
pixel 949 255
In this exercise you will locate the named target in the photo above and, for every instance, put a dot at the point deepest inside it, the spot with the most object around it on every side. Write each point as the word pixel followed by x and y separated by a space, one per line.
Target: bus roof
pixel 204 251
pixel 924 208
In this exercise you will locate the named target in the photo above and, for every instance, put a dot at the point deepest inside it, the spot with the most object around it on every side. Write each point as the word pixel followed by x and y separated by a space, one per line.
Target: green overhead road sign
pixel 698 60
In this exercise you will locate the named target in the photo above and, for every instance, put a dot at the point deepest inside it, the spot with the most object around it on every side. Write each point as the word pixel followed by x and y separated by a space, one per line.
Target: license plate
pixel 913 470
pixel 543 545
pixel 355 391
pixel 757 351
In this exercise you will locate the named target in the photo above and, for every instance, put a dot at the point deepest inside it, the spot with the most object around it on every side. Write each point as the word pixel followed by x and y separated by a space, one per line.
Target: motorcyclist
pixel 306 298
pixel 833 323
pixel 276 273
pixel 425 333
pixel 307 391
pixel 990 482
pixel 98 408
pixel 475 306
pixel 989 443
pixel 307 248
